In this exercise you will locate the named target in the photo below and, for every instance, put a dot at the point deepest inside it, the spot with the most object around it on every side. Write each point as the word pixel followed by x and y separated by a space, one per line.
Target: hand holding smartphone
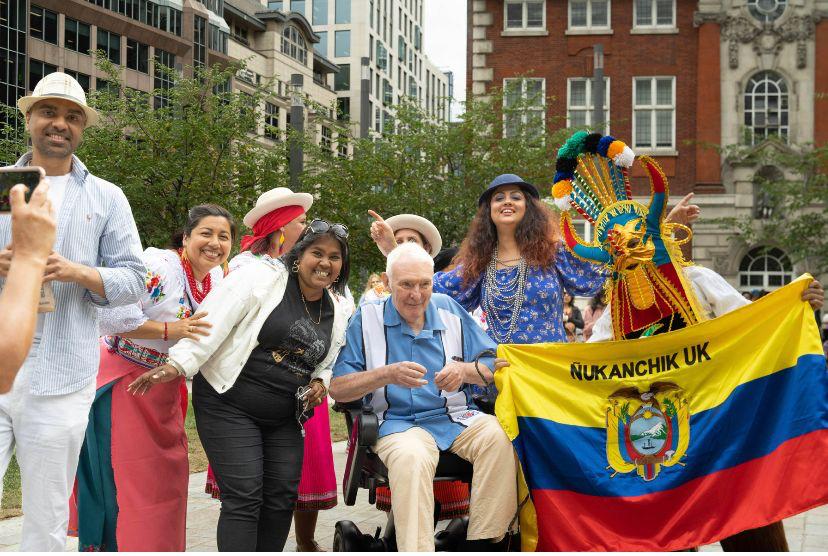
pixel 30 176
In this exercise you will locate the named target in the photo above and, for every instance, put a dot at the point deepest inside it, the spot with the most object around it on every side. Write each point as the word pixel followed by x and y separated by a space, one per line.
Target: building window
pixel 271 130
pixel 377 121
pixel 763 201
pixel 43 24
pixel 342 147
pixel 275 5
pixel 38 70
pixel 343 11
pixel 199 42
pixel 81 78
pixel 110 43
pixel 525 14
pixel 654 112
pixel 104 85
pixel 322 46
pixel 387 93
pixel 163 80
pixel 137 56
pixel 293 44
pixel 343 108
pixel 76 36
pixel 342 78
pixel 524 101
pixel 766 11
pixel 589 14
pixel 218 39
pixel 297 6
pixel 766 107
pixel 580 103
pixel 342 44
pixel 320 12
pixel 765 268
pixel 654 13
pixel 326 139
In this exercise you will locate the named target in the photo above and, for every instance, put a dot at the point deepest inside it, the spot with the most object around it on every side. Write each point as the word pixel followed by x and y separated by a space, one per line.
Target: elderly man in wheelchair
pixel 412 356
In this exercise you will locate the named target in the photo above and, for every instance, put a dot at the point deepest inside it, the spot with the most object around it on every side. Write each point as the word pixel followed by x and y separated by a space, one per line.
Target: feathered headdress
pixel 632 241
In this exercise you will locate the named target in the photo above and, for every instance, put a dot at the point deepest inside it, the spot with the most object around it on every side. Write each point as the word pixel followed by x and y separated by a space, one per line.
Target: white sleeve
pixel 602 329
pixel 715 293
pixel 118 320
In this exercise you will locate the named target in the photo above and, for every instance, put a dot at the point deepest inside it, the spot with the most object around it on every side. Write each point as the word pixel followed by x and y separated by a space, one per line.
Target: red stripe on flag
pixel 790 480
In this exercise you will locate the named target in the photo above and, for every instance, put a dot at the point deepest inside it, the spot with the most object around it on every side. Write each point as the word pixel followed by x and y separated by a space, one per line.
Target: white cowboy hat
pixel 418 224
pixel 274 199
pixel 62 86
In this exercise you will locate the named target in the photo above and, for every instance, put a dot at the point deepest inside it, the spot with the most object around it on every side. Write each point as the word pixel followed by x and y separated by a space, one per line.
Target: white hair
pixel 408 252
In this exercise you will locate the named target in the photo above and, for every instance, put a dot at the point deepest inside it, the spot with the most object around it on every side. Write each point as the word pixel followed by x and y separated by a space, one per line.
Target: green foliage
pixel 434 169
pixel 796 196
pixel 625 412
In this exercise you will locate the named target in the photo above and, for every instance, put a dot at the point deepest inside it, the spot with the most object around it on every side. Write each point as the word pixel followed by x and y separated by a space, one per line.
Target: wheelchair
pixel 364 469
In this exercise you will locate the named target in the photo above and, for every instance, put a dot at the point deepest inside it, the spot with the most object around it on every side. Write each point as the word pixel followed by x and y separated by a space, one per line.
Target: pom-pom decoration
pixel 604 144
pixel 574 146
pixel 591 143
pixel 564 203
pixel 615 149
pixel 625 158
pixel 562 188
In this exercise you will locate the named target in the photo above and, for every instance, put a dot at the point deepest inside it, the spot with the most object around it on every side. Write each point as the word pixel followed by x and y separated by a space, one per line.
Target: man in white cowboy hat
pixel 405 228
pixel 96 261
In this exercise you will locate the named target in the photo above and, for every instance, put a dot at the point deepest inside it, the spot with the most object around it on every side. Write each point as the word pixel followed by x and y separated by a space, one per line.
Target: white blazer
pixel 237 308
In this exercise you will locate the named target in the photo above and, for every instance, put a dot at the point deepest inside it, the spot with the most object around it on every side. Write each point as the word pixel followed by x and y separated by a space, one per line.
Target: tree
pixel 792 202
pixel 434 169
pixel 186 143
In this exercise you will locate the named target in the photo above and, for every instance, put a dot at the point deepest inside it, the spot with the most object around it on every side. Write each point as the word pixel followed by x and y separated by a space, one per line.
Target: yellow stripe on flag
pixel 736 348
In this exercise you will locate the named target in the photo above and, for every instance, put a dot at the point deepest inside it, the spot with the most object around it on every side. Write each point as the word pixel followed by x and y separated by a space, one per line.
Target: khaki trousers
pixel 411 458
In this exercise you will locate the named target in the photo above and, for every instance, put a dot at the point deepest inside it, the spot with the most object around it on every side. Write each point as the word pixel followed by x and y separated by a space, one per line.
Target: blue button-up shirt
pixel 423 406
pixel 95 228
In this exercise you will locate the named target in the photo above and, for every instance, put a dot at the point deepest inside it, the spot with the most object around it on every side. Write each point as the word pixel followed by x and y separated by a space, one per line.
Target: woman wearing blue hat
pixel 514 266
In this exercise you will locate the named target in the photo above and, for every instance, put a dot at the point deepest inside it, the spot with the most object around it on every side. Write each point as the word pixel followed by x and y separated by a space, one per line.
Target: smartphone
pixel 29 176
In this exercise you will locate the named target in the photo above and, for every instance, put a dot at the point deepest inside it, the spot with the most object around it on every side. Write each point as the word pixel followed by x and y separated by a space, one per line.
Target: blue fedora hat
pixel 508 179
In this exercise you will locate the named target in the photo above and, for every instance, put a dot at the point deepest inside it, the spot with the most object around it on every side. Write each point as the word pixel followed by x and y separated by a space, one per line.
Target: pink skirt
pixel 317 488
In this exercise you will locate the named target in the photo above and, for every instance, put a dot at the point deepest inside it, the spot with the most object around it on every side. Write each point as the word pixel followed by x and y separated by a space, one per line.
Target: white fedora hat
pixel 418 224
pixel 274 199
pixel 62 86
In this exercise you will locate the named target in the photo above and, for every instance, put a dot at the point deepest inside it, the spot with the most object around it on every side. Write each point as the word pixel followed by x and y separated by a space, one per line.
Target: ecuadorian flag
pixel 672 441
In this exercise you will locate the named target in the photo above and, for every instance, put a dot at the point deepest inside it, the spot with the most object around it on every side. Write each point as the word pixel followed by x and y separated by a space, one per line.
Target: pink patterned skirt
pixel 317 488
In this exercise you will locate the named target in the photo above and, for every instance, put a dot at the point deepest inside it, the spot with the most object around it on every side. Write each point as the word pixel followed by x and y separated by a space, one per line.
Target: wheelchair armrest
pixel 364 434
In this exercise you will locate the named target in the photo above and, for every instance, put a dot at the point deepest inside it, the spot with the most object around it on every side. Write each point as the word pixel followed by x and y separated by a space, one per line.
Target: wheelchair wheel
pixel 343 541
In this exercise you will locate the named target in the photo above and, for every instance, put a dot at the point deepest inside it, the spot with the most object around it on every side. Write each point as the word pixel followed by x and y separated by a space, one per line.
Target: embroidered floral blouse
pixel 166 297
pixel 541 317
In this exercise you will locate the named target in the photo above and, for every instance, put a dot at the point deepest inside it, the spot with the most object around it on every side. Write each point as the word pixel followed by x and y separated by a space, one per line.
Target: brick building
pixel 679 74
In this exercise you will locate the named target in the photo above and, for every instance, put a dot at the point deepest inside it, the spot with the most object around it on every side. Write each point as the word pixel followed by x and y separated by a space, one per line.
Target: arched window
pixel 766 10
pixel 765 268
pixel 293 44
pixel 766 107
pixel 763 203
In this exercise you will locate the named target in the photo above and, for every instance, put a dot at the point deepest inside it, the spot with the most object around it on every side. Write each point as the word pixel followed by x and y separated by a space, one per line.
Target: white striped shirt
pixel 95 228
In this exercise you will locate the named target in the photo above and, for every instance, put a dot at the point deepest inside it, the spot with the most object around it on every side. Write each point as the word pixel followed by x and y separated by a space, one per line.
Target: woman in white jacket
pixel 276 331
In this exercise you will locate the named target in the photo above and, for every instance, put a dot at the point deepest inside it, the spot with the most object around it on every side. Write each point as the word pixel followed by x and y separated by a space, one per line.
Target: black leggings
pixel 257 463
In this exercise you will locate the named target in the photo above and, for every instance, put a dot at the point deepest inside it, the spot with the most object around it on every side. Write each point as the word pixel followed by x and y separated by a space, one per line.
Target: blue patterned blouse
pixel 541 317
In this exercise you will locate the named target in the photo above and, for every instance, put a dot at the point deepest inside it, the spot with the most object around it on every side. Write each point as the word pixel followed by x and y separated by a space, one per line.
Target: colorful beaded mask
pixel 648 291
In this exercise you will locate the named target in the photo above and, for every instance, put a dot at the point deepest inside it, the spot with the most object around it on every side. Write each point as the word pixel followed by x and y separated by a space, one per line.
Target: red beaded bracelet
pixel 165 332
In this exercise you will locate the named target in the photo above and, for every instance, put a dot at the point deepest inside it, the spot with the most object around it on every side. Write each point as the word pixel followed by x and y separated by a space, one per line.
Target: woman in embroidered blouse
pixel 133 442
pixel 513 265
pixel 276 332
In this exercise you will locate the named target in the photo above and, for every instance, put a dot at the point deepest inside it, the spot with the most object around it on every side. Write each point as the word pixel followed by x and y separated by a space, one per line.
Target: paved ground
pixel 806 532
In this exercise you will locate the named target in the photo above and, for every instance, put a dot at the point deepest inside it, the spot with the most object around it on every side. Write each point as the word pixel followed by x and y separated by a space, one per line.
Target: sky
pixel 445 42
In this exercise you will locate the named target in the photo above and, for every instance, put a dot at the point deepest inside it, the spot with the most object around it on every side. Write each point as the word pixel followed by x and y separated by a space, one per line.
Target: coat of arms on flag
pixel 647 430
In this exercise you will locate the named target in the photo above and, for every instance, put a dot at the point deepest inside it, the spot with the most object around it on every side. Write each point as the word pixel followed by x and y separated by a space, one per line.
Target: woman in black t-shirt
pixel 250 425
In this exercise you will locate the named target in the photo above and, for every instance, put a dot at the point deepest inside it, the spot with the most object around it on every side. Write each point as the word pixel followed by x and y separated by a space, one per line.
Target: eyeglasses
pixel 319 226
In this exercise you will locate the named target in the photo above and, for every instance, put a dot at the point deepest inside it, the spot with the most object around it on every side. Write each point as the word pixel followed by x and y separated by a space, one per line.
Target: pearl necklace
pixel 497 295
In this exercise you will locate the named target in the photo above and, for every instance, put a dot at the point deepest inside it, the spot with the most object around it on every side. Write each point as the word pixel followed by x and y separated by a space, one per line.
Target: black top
pixel 291 345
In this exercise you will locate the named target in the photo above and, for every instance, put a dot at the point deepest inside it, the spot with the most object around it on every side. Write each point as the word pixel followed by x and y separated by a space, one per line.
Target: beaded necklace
pixel 198 290
pixel 496 295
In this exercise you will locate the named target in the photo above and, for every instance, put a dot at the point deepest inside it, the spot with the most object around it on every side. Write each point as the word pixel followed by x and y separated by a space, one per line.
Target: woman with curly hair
pixel 513 265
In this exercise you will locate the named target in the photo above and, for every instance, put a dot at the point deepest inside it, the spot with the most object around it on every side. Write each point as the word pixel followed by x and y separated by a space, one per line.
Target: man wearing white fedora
pixel 96 261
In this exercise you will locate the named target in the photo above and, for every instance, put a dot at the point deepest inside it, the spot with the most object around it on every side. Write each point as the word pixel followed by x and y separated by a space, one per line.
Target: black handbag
pixel 484 397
